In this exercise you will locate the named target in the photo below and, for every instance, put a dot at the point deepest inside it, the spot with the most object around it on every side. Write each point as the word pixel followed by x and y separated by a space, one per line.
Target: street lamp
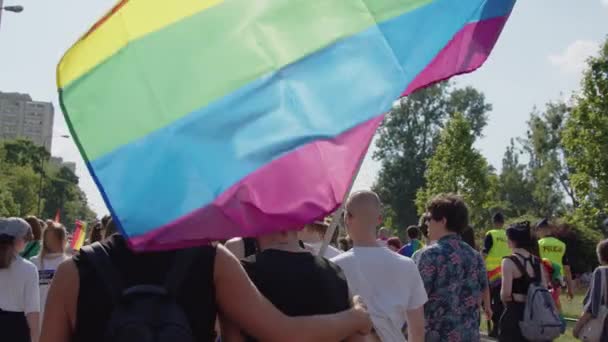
pixel 65 136
pixel 14 9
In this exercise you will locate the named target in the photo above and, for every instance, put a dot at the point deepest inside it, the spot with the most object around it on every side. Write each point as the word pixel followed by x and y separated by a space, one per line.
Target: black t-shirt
pixel 196 296
pixel 298 284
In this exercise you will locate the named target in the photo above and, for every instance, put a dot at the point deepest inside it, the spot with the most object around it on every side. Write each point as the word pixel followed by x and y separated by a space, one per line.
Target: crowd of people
pixel 276 287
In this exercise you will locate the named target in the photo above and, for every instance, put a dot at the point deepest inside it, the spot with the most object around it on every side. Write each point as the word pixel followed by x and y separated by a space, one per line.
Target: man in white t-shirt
pixel 389 283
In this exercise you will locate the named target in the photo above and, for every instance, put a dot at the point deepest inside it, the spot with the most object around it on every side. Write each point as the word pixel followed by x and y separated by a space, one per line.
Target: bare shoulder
pixel 66 274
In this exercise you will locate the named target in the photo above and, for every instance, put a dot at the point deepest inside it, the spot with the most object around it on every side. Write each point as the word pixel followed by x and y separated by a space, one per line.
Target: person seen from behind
pixel 553 249
pixel 495 248
pixel 454 274
pixel 414 244
pixel 32 248
pixel 296 281
pixel 383 235
pixel 514 285
pixel 197 283
pixel 424 230
pixel 52 254
pixel 595 304
pixel 19 292
pixel 313 236
pixel 95 233
pixel 394 244
pixel 389 283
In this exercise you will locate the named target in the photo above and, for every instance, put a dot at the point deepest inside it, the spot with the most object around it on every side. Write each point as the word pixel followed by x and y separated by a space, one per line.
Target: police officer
pixel 553 249
pixel 495 248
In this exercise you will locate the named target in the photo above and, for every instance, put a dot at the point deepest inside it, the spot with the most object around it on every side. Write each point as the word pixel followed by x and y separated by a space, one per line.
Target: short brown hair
pixel 317 227
pixel 36 227
pixel 602 251
pixel 453 209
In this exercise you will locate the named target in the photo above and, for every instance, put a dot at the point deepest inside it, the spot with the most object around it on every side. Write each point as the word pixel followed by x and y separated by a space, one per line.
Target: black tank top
pixel 196 297
pixel 522 283
pixel 298 284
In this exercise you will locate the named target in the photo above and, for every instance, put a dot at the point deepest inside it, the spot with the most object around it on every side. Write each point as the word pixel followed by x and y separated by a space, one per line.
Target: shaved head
pixel 362 215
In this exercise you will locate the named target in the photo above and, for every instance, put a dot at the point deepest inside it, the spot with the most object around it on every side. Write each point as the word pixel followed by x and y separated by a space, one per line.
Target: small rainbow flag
pixel 495 276
pixel 208 119
pixel 79 235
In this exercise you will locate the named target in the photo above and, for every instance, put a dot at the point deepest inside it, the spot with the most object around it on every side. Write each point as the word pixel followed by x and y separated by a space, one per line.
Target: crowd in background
pixel 275 287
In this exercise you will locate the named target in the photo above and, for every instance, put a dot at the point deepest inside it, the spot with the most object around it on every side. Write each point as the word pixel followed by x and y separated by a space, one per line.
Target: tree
pixel 586 141
pixel 22 183
pixel 457 167
pixel 23 152
pixel 515 190
pixel 548 171
pixel 22 164
pixel 407 139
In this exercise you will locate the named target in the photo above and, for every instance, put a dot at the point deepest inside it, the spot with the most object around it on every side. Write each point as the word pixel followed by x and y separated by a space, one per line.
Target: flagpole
pixel 335 219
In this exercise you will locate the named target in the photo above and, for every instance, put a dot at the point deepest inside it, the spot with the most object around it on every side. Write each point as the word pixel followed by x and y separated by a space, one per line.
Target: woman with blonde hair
pixel 52 253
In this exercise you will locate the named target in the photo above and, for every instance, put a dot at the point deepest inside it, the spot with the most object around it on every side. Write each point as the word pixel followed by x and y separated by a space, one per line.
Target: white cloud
pixel 572 59
pixel 604 2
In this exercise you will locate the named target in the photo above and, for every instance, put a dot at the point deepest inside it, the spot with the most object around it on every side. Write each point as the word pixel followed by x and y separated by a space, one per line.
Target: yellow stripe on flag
pixel 127 21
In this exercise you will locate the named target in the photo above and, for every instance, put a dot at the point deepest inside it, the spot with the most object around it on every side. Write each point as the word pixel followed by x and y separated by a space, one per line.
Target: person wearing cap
pixel 553 249
pixel 514 287
pixel 19 292
pixel 495 248
pixel 313 236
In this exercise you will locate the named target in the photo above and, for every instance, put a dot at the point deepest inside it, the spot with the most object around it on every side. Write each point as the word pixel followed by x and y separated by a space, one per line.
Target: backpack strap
pixel 100 259
pixel 521 267
pixel 181 266
pixel 250 246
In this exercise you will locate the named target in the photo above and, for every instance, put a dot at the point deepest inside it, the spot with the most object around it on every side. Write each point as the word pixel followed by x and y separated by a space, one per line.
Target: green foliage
pixel 408 137
pixel 457 167
pixel 586 141
pixel 515 190
pixel 25 174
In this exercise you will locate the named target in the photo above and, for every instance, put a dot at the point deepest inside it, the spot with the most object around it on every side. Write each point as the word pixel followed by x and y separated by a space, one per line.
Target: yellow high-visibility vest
pixel 499 250
pixel 552 249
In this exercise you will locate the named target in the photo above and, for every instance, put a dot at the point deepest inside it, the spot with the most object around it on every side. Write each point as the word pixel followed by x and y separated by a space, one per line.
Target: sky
pixel 539 58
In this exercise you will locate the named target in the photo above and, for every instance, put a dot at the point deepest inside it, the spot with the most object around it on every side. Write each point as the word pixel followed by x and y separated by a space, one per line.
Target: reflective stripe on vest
pixel 552 249
pixel 499 249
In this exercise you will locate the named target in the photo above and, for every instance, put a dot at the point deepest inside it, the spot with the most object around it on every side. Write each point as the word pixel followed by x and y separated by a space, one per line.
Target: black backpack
pixel 145 312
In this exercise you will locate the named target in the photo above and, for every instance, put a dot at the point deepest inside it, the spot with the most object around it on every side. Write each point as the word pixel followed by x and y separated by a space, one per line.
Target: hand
pixel 360 310
pixel 487 309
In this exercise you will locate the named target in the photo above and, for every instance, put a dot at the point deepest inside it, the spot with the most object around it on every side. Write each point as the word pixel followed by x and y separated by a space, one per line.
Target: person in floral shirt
pixel 453 273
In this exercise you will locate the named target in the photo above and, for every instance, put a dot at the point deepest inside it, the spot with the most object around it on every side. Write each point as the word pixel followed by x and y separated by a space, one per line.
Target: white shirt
pixel 19 287
pixel 389 284
pixel 330 252
pixel 46 274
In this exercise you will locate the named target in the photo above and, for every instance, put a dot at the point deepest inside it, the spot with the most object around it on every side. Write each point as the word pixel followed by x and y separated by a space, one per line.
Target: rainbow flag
pixel 495 276
pixel 208 119
pixel 79 235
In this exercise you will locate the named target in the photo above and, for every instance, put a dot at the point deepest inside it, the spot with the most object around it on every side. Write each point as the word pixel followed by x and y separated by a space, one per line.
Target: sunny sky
pixel 538 58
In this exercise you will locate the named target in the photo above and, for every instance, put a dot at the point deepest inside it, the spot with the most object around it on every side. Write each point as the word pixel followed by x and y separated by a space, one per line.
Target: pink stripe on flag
pixel 308 182
pixel 466 52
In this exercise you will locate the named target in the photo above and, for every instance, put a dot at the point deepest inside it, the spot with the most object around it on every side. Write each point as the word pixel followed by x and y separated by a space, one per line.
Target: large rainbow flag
pixel 208 119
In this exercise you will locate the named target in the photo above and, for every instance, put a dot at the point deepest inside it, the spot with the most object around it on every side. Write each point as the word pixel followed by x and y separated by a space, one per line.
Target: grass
pixel 571 309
